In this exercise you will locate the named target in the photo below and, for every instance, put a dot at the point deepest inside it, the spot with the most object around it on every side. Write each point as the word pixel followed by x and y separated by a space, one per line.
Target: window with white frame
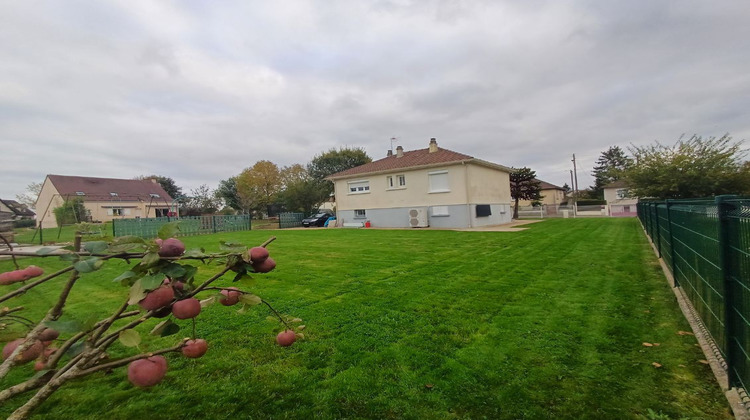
pixel 395 182
pixel 117 212
pixel 438 181
pixel 359 187
pixel 622 193
pixel 360 214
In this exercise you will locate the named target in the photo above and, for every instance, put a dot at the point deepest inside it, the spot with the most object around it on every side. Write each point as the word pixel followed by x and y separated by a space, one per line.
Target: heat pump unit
pixel 418 217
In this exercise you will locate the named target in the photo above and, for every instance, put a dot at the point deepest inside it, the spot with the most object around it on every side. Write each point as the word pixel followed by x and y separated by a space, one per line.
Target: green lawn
pixel 544 323
pixel 66 234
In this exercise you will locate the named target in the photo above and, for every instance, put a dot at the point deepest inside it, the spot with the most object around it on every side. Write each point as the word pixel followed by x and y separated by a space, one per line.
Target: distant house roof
pixel 620 183
pixel 547 186
pixel 415 159
pixel 109 189
pixel 18 209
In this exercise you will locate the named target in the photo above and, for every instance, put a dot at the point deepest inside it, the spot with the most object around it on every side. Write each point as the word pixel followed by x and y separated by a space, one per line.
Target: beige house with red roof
pixel 105 199
pixel 552 195
pixel 432 187
pixel 619 201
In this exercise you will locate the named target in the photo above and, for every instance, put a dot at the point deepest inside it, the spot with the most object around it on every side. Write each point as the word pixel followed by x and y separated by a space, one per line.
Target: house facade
pixel 430 187
pixel 552 195
pixel 619 202
pixel 105 199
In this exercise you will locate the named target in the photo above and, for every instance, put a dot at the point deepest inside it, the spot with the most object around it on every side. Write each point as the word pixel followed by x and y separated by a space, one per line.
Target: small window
pixel 395 182
pixel 116 212
pixel 113 194
pixel 401 180
pixel 438 182
pixel 154 195
pixel 80 193
pixel 622 193
pixel 439 211
pixel 360 214
pixel 389 181
pixel 359 187
pixel 483 210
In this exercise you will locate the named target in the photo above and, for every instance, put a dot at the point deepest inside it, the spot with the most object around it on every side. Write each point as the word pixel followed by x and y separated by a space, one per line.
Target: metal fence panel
pixel 189 225
pixel 706 246
pixel 290 220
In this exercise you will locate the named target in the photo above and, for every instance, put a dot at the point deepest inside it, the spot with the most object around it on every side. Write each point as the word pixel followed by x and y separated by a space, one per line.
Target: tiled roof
pixel 101 189
pixel 413 159
pixel 18 209
pixel 547 186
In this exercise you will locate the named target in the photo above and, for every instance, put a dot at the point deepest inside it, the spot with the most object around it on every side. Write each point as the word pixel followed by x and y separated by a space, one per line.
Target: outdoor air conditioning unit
pixel 418 217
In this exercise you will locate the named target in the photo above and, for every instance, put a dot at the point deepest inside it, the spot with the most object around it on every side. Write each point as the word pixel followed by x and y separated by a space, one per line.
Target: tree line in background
pixel 690 168
pixel 267 189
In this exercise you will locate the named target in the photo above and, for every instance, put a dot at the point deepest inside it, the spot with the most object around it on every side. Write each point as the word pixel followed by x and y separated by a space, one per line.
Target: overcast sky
pixel 199 90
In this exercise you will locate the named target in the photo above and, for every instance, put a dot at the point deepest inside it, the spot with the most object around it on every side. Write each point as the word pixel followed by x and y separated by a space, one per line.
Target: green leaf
pixel 136 293
pixel 124 248
pixel 171 329
pixel 95 247
pixel 152 281
pixel 168 230
pixel 130 338
pixel 70 257
pixel 126 275
pixel 130 239
pixel 250 299
pixel 239 276
pixel 160 327
pixel 190 272
pixel 232 247
pixel 75 349
pixel 65 327
pixel 45 251
pixel 195 253
pixel 242 310
pixel 173 270
pixel 210 301
pixel 88 265
pixel 150 259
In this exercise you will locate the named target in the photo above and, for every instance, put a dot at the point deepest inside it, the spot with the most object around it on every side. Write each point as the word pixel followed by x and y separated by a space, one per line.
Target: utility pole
pixel 575 187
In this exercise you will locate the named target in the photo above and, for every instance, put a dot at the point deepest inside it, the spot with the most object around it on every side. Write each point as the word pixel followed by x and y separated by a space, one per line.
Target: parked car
pixel 319 219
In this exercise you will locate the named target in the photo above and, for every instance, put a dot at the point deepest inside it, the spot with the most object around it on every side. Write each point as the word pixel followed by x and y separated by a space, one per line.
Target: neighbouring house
pixel 105 199
pixel 619 201
pixel 11 209
pixel 433 187
pixel 551 195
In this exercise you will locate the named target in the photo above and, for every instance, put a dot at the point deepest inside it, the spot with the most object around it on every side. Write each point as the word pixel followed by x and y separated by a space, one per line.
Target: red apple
pixel 33 271
pixel 258 254
pixel 11 277
pixel 147 372
pixel 264 266
pixel 157 298
pixel 171 247
pixel 195 348
pixel 286 338
pixel 186 308
pixel 232 296
pixel 28 355
pixel 48 334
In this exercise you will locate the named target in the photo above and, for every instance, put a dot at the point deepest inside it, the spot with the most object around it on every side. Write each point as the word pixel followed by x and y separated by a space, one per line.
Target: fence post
pixel 213 223
pixel 673 264
pixel 658 230
pixel 730 320
pixel 114 231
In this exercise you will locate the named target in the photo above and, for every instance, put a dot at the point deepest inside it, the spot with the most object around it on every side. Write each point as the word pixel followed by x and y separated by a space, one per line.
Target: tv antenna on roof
pixel 393 139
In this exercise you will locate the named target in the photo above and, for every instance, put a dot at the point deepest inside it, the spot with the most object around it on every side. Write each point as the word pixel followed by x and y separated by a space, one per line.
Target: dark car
pixel 319 219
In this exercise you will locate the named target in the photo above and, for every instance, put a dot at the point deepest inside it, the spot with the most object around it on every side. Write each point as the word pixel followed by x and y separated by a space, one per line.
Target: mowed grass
pixel 545 323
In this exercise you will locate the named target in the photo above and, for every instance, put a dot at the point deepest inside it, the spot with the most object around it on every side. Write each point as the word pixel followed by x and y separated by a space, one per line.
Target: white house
pixel 427 187
pixel 619 202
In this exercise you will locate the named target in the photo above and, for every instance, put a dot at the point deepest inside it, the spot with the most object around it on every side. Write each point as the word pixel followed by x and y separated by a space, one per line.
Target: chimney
pixel 154 180
pixel 399 152
pixel 389 154
pixel 433 145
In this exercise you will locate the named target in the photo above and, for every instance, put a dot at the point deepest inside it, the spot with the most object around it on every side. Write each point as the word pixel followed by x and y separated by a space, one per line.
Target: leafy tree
pixel 566 188
pixel 259 186
pixel 227 191
pixel 331 162
pixel 201 201
pixel 29 197
pixel 71 212
pixel 691 168
pixel 609 168
pixel 524 186
pixel 167 183
pixel 301 193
